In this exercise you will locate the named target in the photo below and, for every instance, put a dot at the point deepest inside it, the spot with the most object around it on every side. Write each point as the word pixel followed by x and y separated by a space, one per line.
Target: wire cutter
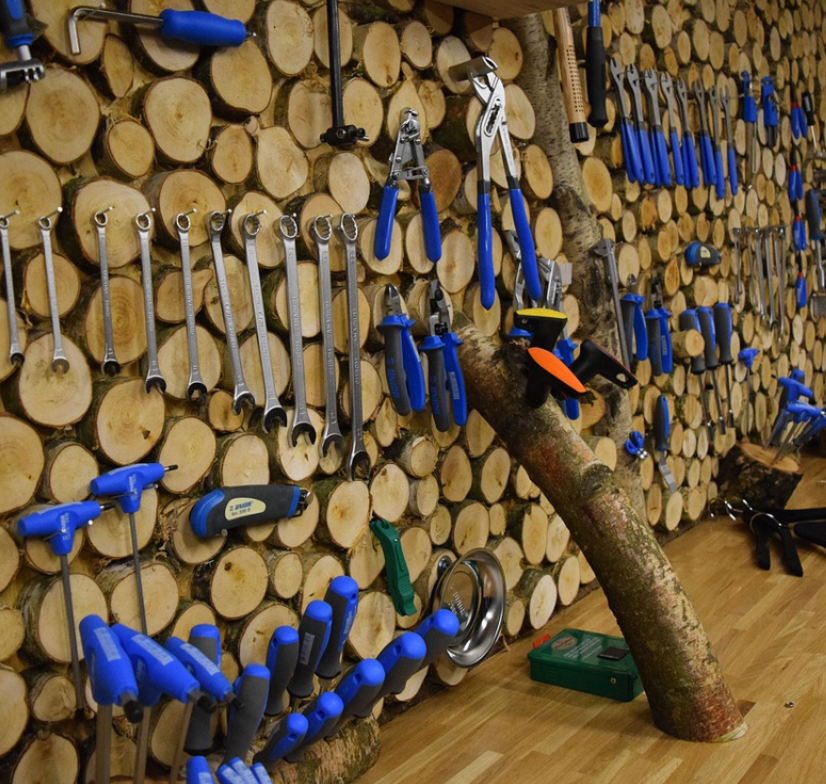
pixel 445 378
pixel 492 122
pixel 405 377
pixel 408 151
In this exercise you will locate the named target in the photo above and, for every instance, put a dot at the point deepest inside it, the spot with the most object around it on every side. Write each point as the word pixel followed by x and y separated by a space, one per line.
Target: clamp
pixel 407 163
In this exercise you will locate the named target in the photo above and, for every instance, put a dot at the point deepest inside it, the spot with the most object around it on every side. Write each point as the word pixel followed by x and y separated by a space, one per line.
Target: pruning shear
pixel 492 122
pixel 408 151
pixel 446 384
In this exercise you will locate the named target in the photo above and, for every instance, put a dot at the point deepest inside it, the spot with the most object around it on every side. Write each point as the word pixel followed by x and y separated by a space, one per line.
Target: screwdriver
pixel 358 690
pixel 688 320
pixel 286 736
pixel 322 716
pixel 710 350
pixel 251 691
pixel 595 67
pixel 661 429
pixel 400 658
pixel 282 656
pixel 207 639
pixel 723 329
pixel 342 596
pixel 313 635
pixel 438 631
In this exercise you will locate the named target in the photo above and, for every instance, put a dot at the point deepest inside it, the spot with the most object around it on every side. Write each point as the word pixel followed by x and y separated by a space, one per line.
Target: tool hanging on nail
pixel 706 318
pixel 403 367
pixel 630 146
pixel 688 319
pixel 407 163
pixel 809 110
pixel 706 150
pixel 720 176
pixel 632 79
pixel 446 385
pixel 662 421
pixel 282 657
pixel 16 356
pixel 569 76
pixel 779 236
pixel 765 235
pixel 605 249
pixel 667 86
pixel 154 377
pixel 723 332
pixel 690 168
pixel 193 27
pixel 737 262
pixel 795 177
pixel 659 335
pixel 595 66
pixel 662 166
pixel 493 124
pixel 110 364
pixel 750 118
pixel 756 257
pixel 633 317
pixel 731 151
pixel 768 102
pixel 558 276
pixel 60 362
pixel 818 298
pixel 19 37
pixel 800 128
pixel 635 445
pixel 747 356
pixel 700 255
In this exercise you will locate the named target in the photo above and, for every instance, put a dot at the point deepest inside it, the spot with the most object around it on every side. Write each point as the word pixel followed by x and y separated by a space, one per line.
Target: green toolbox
pixel 589 662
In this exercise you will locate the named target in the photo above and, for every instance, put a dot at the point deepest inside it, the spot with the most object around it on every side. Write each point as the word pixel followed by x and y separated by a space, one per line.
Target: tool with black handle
pixel 808 106
pixel 401 659
pixel 19 37
pixel 569 74
pixel 199 740
pixel 313 636
pixel 438 631
pixel 714 134
pixel 723 331
pixel 322 715
pixel 595 67
pixel 358 690
pixel 282 657
pixel 688 320
pixel 287 734
pixel 342 595
pixel 662 421
pixel 818 298
pixel 251 691
pixel 706 318
pixel 750 118
pixel 660 350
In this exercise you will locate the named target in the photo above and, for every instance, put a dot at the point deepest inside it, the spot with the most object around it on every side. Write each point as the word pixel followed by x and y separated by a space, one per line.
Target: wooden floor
pixel 767 628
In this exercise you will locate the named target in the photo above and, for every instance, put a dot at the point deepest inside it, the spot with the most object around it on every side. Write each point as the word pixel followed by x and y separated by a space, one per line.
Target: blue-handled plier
pixel 633 319
pixel 800 128
pixel 692 172
pixel 446 384
pixel 659 151
pixel 491 124
pixel 518 287
pixel 407 163
pixel 706 151
pixel 632 78
pixel 659 335
pixel 630 146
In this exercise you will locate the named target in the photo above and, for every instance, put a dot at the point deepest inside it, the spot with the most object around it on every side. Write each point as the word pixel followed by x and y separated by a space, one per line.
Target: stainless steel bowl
pixel 473 588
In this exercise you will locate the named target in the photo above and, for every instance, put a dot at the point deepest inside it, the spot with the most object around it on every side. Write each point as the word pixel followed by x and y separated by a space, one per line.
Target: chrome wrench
pixel 288 228
pixel 605 249
pixel 154 377
pixel 16 355
pixel 738 265
pixel 348 232
pixel 241 394
pixel 110 364
pixel 780 261
pixel 273 410
pixel 195 388
pixel 322 230
pixel 757 266
pixel 767 239
pixel 60 361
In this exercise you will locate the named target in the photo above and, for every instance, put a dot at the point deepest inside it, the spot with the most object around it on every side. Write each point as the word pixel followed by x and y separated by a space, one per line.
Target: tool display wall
pixel 135 122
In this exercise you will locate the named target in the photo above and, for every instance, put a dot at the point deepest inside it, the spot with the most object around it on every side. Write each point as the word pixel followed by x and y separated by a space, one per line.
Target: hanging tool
pixel 569 76
pixel 60 361
pixel 342 595
pixel 800 129
pixel 779 239
pixel 723 332
pixel 792 390
pixel 809 111
pixel 765 235
pixel 158 674
pixel 692 171
pixel 110 364
pixel 768 102
pixel 662 420
pixel 193 27
pixel 667 86
pixel 282 656
pixel 547 373
pixel 714 133
pixel 738 264
pixel 398 576
pixel 605 249
pixel 519 301
pixel 659 335
pixel 594 360
pixel 273 410
pixel 235 772
pixel 322 230
pixel 630 145
pixel 635 445
pixel 358 460
pixel 439 631
pixel 241 395
pixel 322 715
pixel 750 118
pixel 301 425
pixel 401 658
pixel 706 318
pixel 207 639
pixel 706 150
pixel 16 356
pixel 287 734
pixel 595 66
pixel 446 385
pixel 403 367
pixel 196 388
pixel 795 177
pixel 731 150
pixel 338 134
pixel 19 37
pixel 198 771
pixel 757 266
pixel 358 690
pixel 799 415
pixel 632 78
pixel 126 485
pixel 493 123
pixel 818 298
pixel 113 683
pixel 251 691
pixel 226 508
pixel 662 167
pixel 313 636
pixel 58 524
pixel 688 319
pixel 407 163
pixel 700 254
pixel 154 377
pixel 746 356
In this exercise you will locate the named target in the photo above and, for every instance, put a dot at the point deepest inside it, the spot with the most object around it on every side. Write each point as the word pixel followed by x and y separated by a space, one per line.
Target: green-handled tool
pixel 398 577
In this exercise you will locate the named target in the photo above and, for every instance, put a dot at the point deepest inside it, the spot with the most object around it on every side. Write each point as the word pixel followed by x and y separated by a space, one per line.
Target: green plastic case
pixel 571 660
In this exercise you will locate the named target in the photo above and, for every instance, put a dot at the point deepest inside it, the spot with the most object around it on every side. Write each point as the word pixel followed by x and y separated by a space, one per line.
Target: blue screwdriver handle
pixel 430 223
pixel 110 671
pixel 526 245
pixel 198 771
pixel 732 169
pixel 802 124
pixel 631 152
pixel 799 233
pixel 359 688
pixel 322 715
pixel 661 153
pixel 438 631
pixel 487 279
pixel 455 379
pixel 288 733
pixel 650 174
pixel 229 774
pixel 202 28
pixel 342 595
pixel 313 636
pixel 240 767
pixel 692 171
pixel 260 773
pixel 677 158
pixel 251 690
pixel 433 347
pixel 720 175
pixel 14 24
pixel 747 355
pixel 749 103
pixel 282 657
pixel 800 292
pixel 400 658
pixel 405 377
pixel 384 224
pixel 813 217
pixel 207 639
pixel 706 319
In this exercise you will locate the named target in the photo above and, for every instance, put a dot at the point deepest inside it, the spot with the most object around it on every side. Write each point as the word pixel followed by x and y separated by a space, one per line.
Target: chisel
pixel 228 507
pixel 282 656
pixel 313 636
pixel 251 690
pixel 285 737
pixel 661 428
pixel 342 596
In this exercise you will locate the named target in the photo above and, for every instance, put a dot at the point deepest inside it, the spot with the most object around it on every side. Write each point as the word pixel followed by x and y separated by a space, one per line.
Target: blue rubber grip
pixel 394 329
pixel 207 673
pixel 401 659
pixel 804 126
pixel 692 171
pixel 709 174
pixel 313 636
pixel 13 23
pixel 433 347
pixel 526 245
pixel 323 715
pixel 677 158
pixel 109 668
pixel 414 375
pixel 455 379
pixel 658 180
pixel 665 343
pixel 487 280
pixel 438 631
pixel 732 169
pixel 720 175
pixel 282 657
pixel 358 689
pixel 799 231
pixel 384 224
pixel 650 175
pixel 747 355
pixel 202 28
pixel 430 224
pixel 800 292
pixel 795 119
pixel 795 185
pixel 240 767
pixel 260 774
pixel 59 523
pixel 631 151
pixel 243 721
pixel 342 595
pixel 663 166
pixel 640 334
pixel 285 736
pixel 564 350
pixel 198 771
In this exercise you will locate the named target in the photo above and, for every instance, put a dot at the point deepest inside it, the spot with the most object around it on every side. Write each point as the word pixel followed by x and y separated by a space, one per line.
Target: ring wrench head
pixel 143 220
pixel 183 222
pixel 216 221
pixel 102 216
pixel 46 223
pixel 288 226
pixel 348 227
pixel 251 225
pixel 4 219
pixel 322 228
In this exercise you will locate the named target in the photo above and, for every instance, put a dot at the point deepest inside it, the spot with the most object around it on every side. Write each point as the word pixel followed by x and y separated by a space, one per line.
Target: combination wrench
pixel 288 228
pixel 756 267
pixel 347 231
pixel 767 240
pixel 241 394
pixel 110 364
pixel 782 276
pixel 16 355
pixel 273 410
pixel 322 230
pixel 154 377
pixel 195 388
pixel 738 265
pixel 60 361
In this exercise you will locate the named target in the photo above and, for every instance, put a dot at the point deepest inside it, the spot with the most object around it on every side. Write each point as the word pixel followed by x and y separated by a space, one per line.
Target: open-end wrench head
pixel 241 398
pixel 358 463
pixel 154 381
pixel 302 427
pixel 111 367
pixel 330 436
pixel 196 389
pixel 478 66
pixel 272 415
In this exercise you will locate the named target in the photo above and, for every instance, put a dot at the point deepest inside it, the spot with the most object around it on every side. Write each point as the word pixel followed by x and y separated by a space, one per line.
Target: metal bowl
pixel 473 588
